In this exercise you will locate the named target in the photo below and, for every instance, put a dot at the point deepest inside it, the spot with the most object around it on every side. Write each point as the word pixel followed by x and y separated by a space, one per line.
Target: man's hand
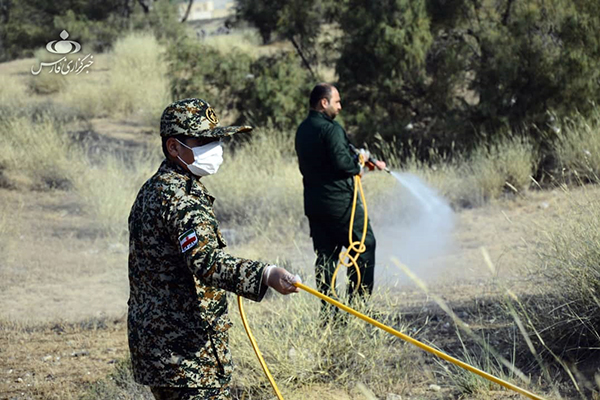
pixel 380 165
pixel 281 280
pixel 365 155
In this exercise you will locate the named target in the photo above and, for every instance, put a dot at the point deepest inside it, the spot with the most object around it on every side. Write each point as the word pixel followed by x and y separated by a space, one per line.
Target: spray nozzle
pixel 373 161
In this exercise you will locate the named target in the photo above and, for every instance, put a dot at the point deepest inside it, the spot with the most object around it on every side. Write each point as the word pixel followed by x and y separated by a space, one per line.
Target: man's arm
pixel 337 147
pixel 194 228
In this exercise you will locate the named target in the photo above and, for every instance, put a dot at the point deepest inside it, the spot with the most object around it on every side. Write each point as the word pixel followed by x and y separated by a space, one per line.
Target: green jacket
pixel 327 165
pixel 179 274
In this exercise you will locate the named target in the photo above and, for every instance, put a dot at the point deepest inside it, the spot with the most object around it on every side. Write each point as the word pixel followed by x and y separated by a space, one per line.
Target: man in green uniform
pixel 178 270
pixel 328 164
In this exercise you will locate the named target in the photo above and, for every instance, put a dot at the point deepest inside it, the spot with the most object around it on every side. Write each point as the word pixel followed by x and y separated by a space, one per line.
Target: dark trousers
pixel 178 393
pixel 329 236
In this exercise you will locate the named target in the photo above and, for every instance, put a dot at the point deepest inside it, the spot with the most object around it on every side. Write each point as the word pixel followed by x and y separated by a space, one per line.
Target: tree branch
pixel 506 15
pixel 301 54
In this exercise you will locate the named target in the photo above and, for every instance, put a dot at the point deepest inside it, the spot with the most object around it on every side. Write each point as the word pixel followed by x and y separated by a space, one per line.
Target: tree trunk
pixel 187 11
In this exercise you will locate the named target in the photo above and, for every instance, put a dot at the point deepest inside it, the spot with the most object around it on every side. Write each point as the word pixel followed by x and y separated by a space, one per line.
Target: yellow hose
pixel 359 247
pixel 420 345
pixel 353 246
pixel 388 329
pixel 263 364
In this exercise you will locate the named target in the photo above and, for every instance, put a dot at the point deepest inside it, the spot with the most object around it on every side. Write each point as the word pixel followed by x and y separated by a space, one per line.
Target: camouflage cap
pixel 195 118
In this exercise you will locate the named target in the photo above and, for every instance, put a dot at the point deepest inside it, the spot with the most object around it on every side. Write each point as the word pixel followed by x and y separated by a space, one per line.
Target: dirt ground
pixel 64 291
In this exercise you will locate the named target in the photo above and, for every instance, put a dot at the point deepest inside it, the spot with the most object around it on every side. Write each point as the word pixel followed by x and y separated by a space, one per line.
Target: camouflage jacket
pixel 179 275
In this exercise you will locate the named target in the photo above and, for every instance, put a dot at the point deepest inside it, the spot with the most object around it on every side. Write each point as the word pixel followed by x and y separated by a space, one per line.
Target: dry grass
pixel 108 187
pixel 301 353
pixel 259 189
pixel 35 152
pixel 12 91
pixel 134 85
pixel 578 147
pixel 561 316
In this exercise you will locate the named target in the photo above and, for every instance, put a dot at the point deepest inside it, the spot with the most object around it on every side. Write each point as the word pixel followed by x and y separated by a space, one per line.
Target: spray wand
pixel 371 162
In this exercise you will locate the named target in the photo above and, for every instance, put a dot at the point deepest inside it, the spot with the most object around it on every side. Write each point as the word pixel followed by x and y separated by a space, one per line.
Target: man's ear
pixel 324 102
pixel 173 147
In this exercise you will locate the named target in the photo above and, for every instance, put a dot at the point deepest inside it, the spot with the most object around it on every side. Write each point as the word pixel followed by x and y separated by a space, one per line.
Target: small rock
pixel 19 380
pixel 544 205
pixel 292 353
pixel 47 358
pixel 392 396
pixel 434 388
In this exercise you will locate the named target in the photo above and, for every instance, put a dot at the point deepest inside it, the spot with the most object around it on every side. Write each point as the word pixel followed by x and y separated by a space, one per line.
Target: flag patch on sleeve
pixel 188 240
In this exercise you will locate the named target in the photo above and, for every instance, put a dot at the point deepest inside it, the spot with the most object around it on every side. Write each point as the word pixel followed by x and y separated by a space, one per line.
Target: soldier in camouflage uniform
pixel 178 270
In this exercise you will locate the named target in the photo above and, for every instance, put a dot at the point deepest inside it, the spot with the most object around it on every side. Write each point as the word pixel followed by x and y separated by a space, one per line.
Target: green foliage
pixel 262 14
pixel 299 21
pixel 31 24
pixel 270 90
pixel 25 26
pixel 94 35
pixel 200 70
pixel 276 93
pixel 382 61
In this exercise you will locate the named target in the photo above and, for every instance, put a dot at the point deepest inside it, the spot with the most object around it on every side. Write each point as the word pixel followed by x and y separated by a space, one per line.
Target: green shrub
pixel 200 70
pixel 276 94
pixel 266 91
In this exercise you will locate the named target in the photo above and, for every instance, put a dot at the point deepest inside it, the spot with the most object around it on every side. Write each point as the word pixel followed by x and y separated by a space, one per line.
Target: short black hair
pixel 181 138
pixel 321 91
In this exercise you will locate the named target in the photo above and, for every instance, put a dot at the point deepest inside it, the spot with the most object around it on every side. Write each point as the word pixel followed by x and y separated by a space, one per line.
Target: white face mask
pixel 207 158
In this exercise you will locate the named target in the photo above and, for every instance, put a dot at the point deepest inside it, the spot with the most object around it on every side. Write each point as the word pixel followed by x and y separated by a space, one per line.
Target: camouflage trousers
pixel 177 393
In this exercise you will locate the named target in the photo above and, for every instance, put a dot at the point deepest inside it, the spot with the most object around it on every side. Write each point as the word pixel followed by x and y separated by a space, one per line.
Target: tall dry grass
pixel 135 83
pixel 472 180
pixel 12 91
pixel 35 153
pixel 259 188
pixel 301 351
pixel 578 147
pixel 108 187
pixel 562 314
